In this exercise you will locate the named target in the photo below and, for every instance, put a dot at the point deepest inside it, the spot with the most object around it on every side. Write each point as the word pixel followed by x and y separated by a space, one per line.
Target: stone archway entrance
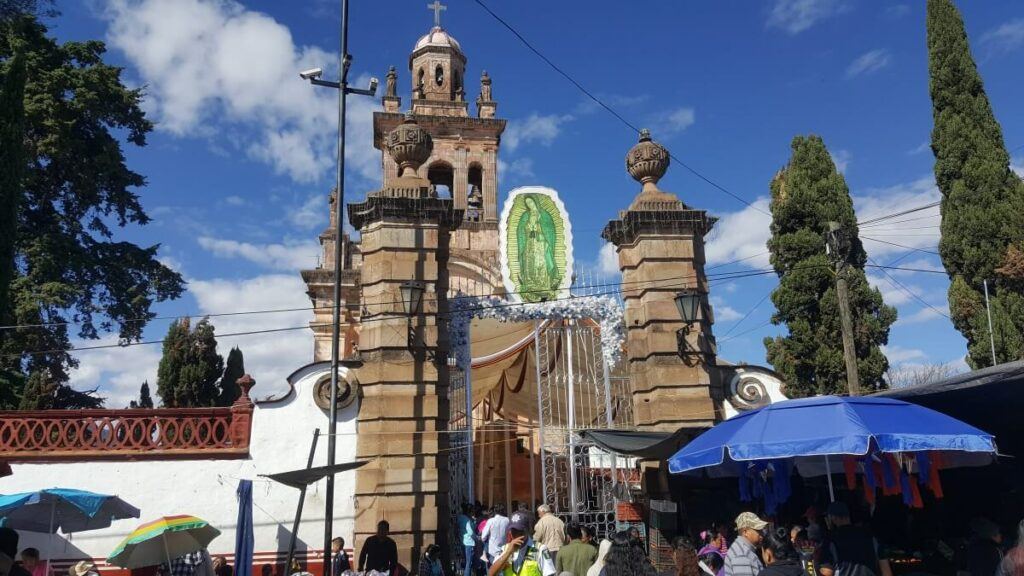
pixel 528 403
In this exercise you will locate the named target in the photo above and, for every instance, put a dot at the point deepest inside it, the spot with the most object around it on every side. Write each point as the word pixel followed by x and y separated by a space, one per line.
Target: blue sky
pixel 242 158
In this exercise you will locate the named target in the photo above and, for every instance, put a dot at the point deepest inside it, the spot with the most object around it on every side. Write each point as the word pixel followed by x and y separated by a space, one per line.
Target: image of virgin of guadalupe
pixel 539 277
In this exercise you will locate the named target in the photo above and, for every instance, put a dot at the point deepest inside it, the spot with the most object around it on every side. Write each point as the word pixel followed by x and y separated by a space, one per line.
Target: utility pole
pixel 838 248
pixel 344 61
pixel 991 336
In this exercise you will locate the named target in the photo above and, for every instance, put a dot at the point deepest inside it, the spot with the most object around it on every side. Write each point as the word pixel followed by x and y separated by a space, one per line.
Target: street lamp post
pixel 687 304
pixel 314 77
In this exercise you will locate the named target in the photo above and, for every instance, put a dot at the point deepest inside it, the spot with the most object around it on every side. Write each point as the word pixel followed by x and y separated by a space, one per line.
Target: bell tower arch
pixel 464 160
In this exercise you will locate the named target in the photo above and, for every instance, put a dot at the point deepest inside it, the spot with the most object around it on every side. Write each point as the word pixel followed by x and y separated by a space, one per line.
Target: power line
pixel 747 315
pixel 908 291
pixel 901 221
pixel 897 214
pixel 608 108
pixel 900 245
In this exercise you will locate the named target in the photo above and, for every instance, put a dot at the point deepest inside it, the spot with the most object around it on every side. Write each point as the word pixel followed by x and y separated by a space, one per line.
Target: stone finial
pixel 409 145
pixel 648 161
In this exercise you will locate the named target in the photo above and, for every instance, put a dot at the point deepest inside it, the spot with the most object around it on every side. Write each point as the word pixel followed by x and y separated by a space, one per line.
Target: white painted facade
pixel 281 434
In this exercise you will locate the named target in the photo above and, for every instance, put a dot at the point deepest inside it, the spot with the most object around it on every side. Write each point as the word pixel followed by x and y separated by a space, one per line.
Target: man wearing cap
pixel 742 558
pixel 850 550
pixel 522 556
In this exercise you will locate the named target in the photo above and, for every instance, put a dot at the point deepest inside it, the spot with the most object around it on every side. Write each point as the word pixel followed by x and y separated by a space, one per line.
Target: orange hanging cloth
pixel 869 494
pixel 915 495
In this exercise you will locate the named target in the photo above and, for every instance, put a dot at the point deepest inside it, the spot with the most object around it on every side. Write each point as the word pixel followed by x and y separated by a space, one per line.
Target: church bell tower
pixel 464 163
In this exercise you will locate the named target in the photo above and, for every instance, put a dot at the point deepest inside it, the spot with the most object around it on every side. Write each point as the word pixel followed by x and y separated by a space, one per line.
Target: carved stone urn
pixel 410 146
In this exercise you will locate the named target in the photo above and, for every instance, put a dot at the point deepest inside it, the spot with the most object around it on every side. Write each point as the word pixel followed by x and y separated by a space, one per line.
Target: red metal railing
pixel 134 434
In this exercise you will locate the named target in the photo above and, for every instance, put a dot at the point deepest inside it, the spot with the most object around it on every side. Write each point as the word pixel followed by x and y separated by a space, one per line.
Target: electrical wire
pixel 745 316
pixel 896 283
pixel 608 108
pixel 897 214
pixel 900 245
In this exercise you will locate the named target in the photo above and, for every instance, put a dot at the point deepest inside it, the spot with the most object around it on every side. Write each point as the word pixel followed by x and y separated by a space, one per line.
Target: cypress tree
pixel 234 369
pixel 805 195
pixel 38 393
pixel 145 400
pixel 190 366
pixel 12 164
pixel 982 199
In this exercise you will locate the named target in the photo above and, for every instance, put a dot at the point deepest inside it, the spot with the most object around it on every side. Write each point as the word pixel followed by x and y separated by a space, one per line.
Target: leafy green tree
pixel 145 400
pixel 75 191
pixel 190 366
pixel 806 194
pixel 12 168
pixel 38 394
pixel 982 199
pixel 234 369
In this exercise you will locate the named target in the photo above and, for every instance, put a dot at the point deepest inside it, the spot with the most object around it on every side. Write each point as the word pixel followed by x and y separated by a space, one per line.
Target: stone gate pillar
pixel 660 244
pixel 405 231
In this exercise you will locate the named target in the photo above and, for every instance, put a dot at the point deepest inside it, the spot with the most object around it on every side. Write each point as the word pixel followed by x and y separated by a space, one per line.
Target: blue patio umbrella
pixel 63 509
pixel 244 531
pixel 805 433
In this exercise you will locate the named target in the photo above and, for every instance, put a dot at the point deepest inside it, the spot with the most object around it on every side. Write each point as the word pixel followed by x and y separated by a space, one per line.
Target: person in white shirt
pixel 495 534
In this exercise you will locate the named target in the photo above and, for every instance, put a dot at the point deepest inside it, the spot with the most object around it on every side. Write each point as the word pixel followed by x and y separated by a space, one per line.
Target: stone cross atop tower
pixel 437 7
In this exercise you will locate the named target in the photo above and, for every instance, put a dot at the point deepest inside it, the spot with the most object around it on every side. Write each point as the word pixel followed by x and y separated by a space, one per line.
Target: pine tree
pixel 38 394
pixel 982 199
pixel 806 194
pixel 12 163
pixel 234 369
pixel 145 400
pixel 190 366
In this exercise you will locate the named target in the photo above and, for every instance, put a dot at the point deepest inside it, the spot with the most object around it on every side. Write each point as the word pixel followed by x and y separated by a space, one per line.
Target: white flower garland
pixel 603 309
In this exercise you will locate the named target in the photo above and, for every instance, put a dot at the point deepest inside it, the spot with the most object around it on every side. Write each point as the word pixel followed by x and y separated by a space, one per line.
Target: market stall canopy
pixel 64 509
pixel 306 476
pixel 989 398
pixel 646 445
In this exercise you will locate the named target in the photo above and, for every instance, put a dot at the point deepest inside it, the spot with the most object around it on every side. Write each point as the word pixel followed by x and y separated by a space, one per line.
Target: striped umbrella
pixel 162 540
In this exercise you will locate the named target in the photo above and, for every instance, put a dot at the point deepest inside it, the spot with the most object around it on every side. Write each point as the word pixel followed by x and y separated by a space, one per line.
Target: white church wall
pixel 281 436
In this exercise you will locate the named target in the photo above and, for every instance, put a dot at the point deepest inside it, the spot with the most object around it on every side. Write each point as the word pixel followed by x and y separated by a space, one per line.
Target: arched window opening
pixel 442 177
pixel 475 194
pixel 418 92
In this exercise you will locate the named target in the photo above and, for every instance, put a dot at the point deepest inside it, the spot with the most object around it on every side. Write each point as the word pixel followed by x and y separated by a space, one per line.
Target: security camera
pixel 311 74
pixel 373 85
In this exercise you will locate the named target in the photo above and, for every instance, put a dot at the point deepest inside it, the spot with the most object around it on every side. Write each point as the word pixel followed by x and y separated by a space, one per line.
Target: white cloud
pixel 868 63
pixel 290 255
pixel 875 202
pixel 742 234
pixel 724 312
pixel 900 355
pixel 313 212
pixel 270 358
pixel 795 16
pixel 516 170
pixel 117 372
pixel 234 200
pixel 1006 37
pixel 926 314
pixel 677 120
pixel 841 158
pixel 891 293
pixel 608 260
pixel 897 11
pixel 921 148
pixel 542 129
pixel 214 69
pixel 1018 166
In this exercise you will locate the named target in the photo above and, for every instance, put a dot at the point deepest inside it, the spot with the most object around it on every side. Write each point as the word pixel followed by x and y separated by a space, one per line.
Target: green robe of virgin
pixel 539 278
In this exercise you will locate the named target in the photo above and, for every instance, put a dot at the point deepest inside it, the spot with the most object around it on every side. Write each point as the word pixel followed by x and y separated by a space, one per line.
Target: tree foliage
pixel 234 369
pixel 12 169
pixel 805 195
pixel 75 191
pixel 190 366
pixel 145 400
pixel 982 199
